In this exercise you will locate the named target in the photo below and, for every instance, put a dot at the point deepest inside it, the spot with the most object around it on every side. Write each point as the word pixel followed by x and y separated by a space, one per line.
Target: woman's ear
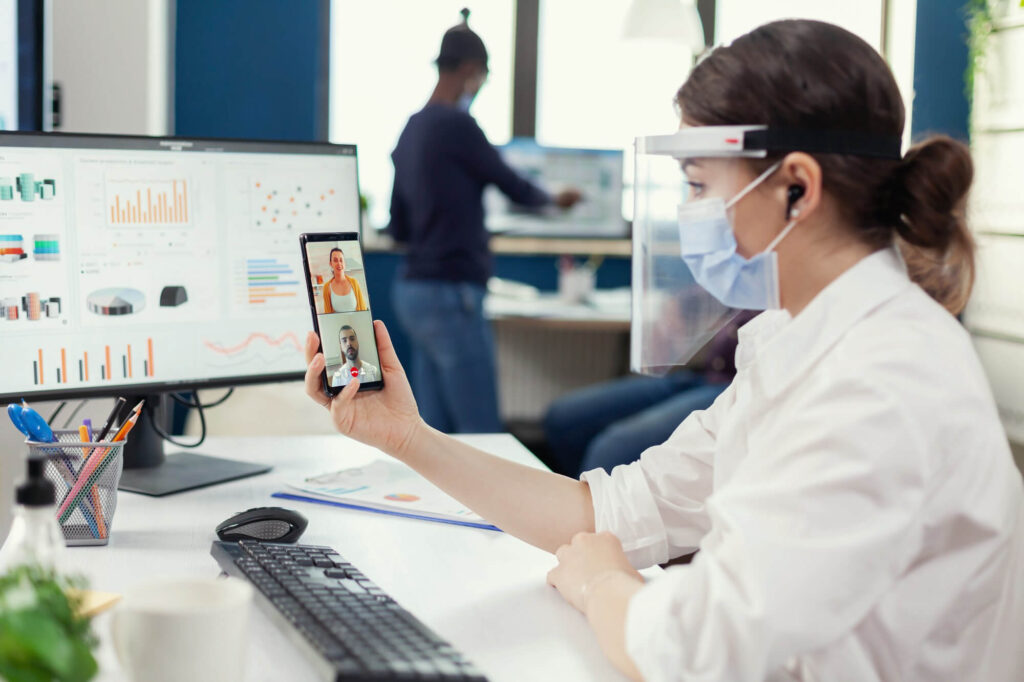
pixel 800 189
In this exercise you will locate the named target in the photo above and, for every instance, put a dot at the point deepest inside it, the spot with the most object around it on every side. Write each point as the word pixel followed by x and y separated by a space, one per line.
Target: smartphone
pixel 340 303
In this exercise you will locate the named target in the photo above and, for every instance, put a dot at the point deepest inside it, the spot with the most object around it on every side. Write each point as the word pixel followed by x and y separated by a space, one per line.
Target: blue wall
pixel 940 61
pixel 251 68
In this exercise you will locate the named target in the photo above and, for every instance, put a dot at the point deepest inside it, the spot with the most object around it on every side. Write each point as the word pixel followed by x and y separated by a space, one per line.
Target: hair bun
pixel 928 192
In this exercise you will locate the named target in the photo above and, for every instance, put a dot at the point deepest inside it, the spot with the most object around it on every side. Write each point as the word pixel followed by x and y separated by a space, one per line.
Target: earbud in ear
pixel 793 195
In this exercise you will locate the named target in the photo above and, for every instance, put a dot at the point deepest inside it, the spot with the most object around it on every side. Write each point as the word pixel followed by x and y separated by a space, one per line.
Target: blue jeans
pixel 453 368
pixel 614 422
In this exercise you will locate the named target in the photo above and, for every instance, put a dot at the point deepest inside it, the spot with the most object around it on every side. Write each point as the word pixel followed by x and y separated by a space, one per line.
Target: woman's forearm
pixel 540 507
pixel 606 604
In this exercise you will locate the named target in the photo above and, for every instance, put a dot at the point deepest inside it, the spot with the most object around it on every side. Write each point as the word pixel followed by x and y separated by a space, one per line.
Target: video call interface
pixel 338 281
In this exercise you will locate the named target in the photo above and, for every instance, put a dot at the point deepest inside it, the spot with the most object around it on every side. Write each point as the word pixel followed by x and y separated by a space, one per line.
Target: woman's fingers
pixel 312 346
pixel 386 351
pixel 314 380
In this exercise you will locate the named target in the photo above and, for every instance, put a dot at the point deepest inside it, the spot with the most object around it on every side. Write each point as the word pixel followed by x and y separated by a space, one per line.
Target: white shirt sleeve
pixel 655 506
pixel 814 526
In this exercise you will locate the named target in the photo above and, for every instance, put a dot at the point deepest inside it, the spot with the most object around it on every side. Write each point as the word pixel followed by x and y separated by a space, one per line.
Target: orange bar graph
pixel 41 375
pixel 108 363
pixel 129 361
pixel 86 364
pixel 149 343
pixel 166 201
pixel 63 366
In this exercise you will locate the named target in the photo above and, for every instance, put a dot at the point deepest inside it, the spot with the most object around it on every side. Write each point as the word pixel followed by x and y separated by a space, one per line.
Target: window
pixel 382 71
pixel 597 90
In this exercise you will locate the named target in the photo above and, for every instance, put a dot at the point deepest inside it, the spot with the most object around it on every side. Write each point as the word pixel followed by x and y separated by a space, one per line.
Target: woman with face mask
pixel 851 497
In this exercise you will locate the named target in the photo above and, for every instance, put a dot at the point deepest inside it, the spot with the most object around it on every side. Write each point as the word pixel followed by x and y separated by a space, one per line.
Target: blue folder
pixel 389 512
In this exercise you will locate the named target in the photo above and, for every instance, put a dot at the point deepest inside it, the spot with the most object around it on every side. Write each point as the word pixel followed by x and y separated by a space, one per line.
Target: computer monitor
pixel 597 173
pixel 25 66
pixel 135 266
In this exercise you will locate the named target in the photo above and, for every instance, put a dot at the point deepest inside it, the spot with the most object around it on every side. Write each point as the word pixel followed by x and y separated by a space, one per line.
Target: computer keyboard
pixel 347 626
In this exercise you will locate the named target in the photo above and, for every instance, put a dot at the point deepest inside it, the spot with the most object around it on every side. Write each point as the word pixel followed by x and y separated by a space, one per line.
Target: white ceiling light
pixel 675 21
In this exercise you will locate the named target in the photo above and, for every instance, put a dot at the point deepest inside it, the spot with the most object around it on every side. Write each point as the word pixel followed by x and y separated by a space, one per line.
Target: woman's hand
pixel 387 419
pixel 587 561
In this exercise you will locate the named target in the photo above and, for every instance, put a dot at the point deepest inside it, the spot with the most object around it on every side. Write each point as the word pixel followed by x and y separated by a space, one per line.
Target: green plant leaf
pixel 41 635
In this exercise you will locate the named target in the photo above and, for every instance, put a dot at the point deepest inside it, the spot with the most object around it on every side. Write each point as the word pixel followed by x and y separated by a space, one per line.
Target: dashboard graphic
pixel 116 250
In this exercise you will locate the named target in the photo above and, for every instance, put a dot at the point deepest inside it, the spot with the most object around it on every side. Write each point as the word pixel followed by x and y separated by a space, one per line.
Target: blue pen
pixel 388 512
pixel 14 412
pixel 87 423
pixel 36 428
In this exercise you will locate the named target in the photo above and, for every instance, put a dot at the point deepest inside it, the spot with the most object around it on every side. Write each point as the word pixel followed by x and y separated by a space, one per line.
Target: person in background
pixel 342 293
pixel 442 163
pixel 613 422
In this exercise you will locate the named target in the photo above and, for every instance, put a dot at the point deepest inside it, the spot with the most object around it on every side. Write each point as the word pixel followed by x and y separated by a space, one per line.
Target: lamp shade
pixel 675 21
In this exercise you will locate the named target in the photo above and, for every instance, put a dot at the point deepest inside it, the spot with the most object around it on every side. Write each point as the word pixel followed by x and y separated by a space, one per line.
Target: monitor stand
pixel 149 472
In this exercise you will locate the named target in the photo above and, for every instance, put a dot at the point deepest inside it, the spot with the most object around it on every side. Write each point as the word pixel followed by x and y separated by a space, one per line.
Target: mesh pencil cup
pixel 85 477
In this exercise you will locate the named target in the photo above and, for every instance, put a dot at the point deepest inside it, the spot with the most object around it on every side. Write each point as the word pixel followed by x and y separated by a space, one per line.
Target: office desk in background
pixel 547 348
pixel 483 591
pixel 540 356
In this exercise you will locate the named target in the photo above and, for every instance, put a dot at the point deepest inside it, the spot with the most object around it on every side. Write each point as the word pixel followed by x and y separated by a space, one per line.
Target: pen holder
pixel 84 476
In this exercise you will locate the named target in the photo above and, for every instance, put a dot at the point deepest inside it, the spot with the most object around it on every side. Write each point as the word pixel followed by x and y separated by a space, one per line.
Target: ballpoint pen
pixel 110 419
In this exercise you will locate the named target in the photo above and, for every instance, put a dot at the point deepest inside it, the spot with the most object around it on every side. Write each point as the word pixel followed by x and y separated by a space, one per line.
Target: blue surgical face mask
pixel 464 102
pixel 708 248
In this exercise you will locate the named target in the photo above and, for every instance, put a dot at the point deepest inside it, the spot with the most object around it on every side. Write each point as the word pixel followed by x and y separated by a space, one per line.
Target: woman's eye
pixel 696 188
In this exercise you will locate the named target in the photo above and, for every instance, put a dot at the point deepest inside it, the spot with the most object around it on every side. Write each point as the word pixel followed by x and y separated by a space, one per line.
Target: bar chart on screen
pixel 60 365
pixel 267 281
pixel 148 202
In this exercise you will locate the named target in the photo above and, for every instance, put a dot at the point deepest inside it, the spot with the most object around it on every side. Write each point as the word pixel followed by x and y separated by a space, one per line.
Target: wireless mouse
pixel 270 524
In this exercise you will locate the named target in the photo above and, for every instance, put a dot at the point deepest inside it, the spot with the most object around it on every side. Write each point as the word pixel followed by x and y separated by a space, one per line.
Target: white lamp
pixel 675 21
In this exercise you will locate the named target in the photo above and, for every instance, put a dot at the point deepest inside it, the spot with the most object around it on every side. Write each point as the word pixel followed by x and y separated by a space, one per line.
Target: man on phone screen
pixel 353 367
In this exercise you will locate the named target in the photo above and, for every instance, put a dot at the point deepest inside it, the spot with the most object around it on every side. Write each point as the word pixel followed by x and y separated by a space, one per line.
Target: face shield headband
pixel 688 280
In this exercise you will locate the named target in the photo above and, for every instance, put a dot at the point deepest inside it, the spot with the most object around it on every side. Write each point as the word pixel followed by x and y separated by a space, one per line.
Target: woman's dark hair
pixel 809 75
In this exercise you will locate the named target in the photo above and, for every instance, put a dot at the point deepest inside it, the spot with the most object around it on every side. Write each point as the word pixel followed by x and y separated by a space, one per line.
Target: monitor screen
pixel 24 65
pixel 597 173
pixel 131 264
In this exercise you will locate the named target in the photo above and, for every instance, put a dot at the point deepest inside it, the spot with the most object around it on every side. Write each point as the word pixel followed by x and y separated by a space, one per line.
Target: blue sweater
pixel 443 162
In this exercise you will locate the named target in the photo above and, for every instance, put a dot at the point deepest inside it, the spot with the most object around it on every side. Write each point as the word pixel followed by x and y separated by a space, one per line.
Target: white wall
pixel 113 61
pixel 995 314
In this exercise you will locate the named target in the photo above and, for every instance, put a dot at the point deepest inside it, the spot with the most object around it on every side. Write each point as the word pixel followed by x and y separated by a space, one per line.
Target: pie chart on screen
pixel 115 301
pixel 401 497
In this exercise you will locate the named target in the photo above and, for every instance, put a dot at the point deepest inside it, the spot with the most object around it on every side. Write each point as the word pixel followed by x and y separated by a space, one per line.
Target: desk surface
pixel 550 311
pixel 483 591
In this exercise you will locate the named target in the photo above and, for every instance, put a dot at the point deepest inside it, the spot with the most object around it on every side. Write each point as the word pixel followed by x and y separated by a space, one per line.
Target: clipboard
pixel 410 515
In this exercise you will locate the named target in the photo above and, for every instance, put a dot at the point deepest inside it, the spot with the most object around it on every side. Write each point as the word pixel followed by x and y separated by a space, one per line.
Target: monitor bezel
pixel 173 144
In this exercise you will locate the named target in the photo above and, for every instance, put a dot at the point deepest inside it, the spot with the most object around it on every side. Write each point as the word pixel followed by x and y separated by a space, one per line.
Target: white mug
pixel 186 629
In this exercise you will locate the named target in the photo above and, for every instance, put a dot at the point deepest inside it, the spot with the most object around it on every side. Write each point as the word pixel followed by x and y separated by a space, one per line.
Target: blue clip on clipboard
pixel 345 505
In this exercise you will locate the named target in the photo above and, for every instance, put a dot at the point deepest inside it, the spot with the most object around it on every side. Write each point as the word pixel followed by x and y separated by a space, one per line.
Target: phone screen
pixel 340 304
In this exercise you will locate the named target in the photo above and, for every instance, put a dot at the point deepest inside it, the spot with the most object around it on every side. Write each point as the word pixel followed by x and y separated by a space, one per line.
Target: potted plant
pixel 43 635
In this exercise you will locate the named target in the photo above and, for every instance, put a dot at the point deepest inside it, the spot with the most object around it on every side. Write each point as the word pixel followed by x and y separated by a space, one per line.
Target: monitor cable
pixel 199 407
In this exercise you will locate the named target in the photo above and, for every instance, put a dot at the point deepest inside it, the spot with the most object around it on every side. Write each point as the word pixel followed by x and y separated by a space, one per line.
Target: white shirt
pixel 343 375
pixel 342 303
pixel 853 496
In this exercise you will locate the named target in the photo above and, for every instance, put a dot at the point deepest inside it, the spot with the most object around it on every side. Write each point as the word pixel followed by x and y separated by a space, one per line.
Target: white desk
pixel 483 591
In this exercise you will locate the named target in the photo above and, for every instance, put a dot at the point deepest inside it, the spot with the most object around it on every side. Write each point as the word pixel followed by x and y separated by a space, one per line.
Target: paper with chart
pixel 387 485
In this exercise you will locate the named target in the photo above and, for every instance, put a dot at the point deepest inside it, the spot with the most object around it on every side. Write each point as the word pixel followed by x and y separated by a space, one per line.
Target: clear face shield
pixel 689 275
pixel 686 184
